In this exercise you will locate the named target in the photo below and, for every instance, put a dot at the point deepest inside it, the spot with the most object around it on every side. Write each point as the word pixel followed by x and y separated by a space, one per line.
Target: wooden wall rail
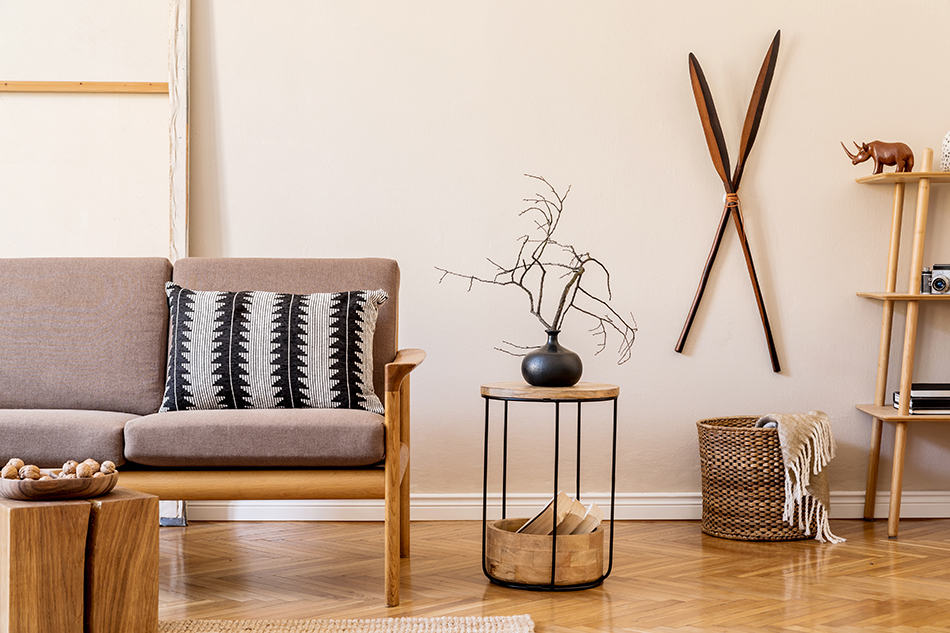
pixel 124 87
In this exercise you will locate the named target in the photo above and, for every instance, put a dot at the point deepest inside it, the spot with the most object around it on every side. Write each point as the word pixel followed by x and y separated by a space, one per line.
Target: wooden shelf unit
pixel 881 410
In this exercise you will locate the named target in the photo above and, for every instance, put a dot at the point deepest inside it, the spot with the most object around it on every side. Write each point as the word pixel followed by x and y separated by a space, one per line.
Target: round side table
pixel 580 393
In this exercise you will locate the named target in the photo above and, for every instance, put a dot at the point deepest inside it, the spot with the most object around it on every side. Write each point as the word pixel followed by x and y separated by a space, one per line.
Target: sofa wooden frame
pixel 390 482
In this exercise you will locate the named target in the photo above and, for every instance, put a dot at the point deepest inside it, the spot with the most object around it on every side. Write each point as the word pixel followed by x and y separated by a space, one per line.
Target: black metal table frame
pixel 577 490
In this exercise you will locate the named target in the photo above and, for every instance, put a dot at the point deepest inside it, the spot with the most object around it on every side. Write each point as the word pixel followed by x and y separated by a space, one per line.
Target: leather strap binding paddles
pixel 720 159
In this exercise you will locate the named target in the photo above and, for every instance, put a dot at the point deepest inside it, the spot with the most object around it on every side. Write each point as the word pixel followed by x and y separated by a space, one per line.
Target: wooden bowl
pixel 57 489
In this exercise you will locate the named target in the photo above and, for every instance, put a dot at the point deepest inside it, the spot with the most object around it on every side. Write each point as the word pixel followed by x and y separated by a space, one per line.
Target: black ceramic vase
pixel 552 365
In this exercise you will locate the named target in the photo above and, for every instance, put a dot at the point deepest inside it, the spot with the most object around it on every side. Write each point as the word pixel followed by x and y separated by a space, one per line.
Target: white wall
pixel 402 129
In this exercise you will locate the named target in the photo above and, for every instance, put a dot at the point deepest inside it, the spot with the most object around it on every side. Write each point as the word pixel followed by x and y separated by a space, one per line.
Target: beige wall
pixel 83 174
pixel 402 130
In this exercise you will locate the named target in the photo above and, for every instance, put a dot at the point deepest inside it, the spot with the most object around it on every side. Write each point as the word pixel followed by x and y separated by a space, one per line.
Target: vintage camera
pixel 936 281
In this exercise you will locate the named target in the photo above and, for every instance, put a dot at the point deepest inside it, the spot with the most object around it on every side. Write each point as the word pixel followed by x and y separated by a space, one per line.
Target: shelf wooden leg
pixel 874 459
pixel 913 283
pixel 897 479
pixel 884 351
pixel 910 344
pixel 920 225
pixel 907 358
pixel 900 436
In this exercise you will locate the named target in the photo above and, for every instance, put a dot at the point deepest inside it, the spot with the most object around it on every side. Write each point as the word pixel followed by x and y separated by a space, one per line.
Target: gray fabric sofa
pixel 83 350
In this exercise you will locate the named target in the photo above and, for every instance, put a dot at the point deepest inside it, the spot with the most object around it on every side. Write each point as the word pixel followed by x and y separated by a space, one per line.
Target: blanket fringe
pixel 801 507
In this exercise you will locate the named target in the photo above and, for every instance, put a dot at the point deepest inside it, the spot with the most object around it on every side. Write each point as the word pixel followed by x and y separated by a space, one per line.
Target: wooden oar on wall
pixel 720 158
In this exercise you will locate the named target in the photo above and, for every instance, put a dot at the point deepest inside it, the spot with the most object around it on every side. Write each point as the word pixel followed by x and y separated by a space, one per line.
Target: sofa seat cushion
pixel 48 437
pixel 257 438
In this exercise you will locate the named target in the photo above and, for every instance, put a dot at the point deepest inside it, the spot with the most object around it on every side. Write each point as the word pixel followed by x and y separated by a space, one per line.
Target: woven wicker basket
pixel 743 481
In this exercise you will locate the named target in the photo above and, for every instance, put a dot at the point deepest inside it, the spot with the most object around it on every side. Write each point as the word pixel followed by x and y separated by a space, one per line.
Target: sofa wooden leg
pixel 392 551
pixel 404 485
pixel 404 517
pixel 392 497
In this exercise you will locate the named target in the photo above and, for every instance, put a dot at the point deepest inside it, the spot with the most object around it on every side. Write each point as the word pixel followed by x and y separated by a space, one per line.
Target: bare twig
pixel 505 351
pixel 510 344
pixel 522 350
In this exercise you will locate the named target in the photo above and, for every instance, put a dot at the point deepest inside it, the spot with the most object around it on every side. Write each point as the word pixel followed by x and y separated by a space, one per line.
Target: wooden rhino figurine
pixel 883 154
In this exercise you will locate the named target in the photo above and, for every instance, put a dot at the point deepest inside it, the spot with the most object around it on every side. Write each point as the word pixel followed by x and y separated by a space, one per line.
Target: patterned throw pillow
pixel 265 350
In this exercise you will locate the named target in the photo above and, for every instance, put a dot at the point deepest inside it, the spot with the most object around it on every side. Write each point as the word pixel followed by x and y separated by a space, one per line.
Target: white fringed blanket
pixel 807 447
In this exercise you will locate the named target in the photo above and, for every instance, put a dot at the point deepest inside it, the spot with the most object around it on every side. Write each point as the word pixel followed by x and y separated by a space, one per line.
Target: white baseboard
pixel 468 506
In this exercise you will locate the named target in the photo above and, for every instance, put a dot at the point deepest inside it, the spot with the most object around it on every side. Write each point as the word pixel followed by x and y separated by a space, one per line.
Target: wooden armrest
pixel 406 360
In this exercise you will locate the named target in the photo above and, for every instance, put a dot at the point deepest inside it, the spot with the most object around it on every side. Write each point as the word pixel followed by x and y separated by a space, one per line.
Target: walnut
pixel 16 462
pixel 97 474
pixel 107 467
pixel 10 472
pixel 46 478
pixel 85 470
pixel 30 472
pixel 92 463
pixel 70 467
pixel 68 476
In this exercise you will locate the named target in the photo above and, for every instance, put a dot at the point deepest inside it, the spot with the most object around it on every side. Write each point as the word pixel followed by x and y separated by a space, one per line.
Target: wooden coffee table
pixel 75 566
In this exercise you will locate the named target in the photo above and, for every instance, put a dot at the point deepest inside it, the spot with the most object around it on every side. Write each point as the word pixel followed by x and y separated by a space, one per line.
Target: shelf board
pixel 890 414
pixel 902 296
pixel 113 87
pixel 910 176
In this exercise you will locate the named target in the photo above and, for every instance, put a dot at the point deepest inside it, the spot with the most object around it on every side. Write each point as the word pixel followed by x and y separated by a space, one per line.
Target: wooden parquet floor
pixel 667 577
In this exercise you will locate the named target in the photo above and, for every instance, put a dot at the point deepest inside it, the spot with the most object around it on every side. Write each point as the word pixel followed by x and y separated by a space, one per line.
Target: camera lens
pixel 940 284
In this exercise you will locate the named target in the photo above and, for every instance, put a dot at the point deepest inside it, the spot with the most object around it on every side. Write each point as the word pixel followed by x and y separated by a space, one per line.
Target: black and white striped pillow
pixel 265 350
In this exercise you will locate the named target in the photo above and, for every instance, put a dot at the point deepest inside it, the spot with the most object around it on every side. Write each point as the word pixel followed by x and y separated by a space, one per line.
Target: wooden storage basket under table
pixel 525 559
pixel 565 562
pixel 743 481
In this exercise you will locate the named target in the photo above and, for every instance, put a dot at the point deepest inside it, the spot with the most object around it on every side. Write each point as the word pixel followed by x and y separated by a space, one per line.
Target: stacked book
pixel 927 398
pixel 572 518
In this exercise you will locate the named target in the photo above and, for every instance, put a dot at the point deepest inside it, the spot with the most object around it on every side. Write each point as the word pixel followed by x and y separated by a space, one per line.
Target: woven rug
pixel 495 624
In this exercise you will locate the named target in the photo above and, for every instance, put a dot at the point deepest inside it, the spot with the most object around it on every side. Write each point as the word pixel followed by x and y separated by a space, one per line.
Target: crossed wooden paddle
pixel 720 159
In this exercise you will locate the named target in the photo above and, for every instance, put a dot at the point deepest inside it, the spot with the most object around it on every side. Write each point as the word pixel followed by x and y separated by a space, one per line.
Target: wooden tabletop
pixel 524 391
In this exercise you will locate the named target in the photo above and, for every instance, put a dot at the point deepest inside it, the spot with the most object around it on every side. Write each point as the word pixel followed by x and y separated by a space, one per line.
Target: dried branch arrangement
pixel 544 267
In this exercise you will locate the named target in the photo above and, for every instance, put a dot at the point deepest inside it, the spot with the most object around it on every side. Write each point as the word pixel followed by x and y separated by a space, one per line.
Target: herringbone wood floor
pixel 667 577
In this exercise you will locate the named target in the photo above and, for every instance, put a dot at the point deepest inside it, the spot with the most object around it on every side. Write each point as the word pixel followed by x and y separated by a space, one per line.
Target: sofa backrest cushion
pixel 305 276
pixel 83 333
